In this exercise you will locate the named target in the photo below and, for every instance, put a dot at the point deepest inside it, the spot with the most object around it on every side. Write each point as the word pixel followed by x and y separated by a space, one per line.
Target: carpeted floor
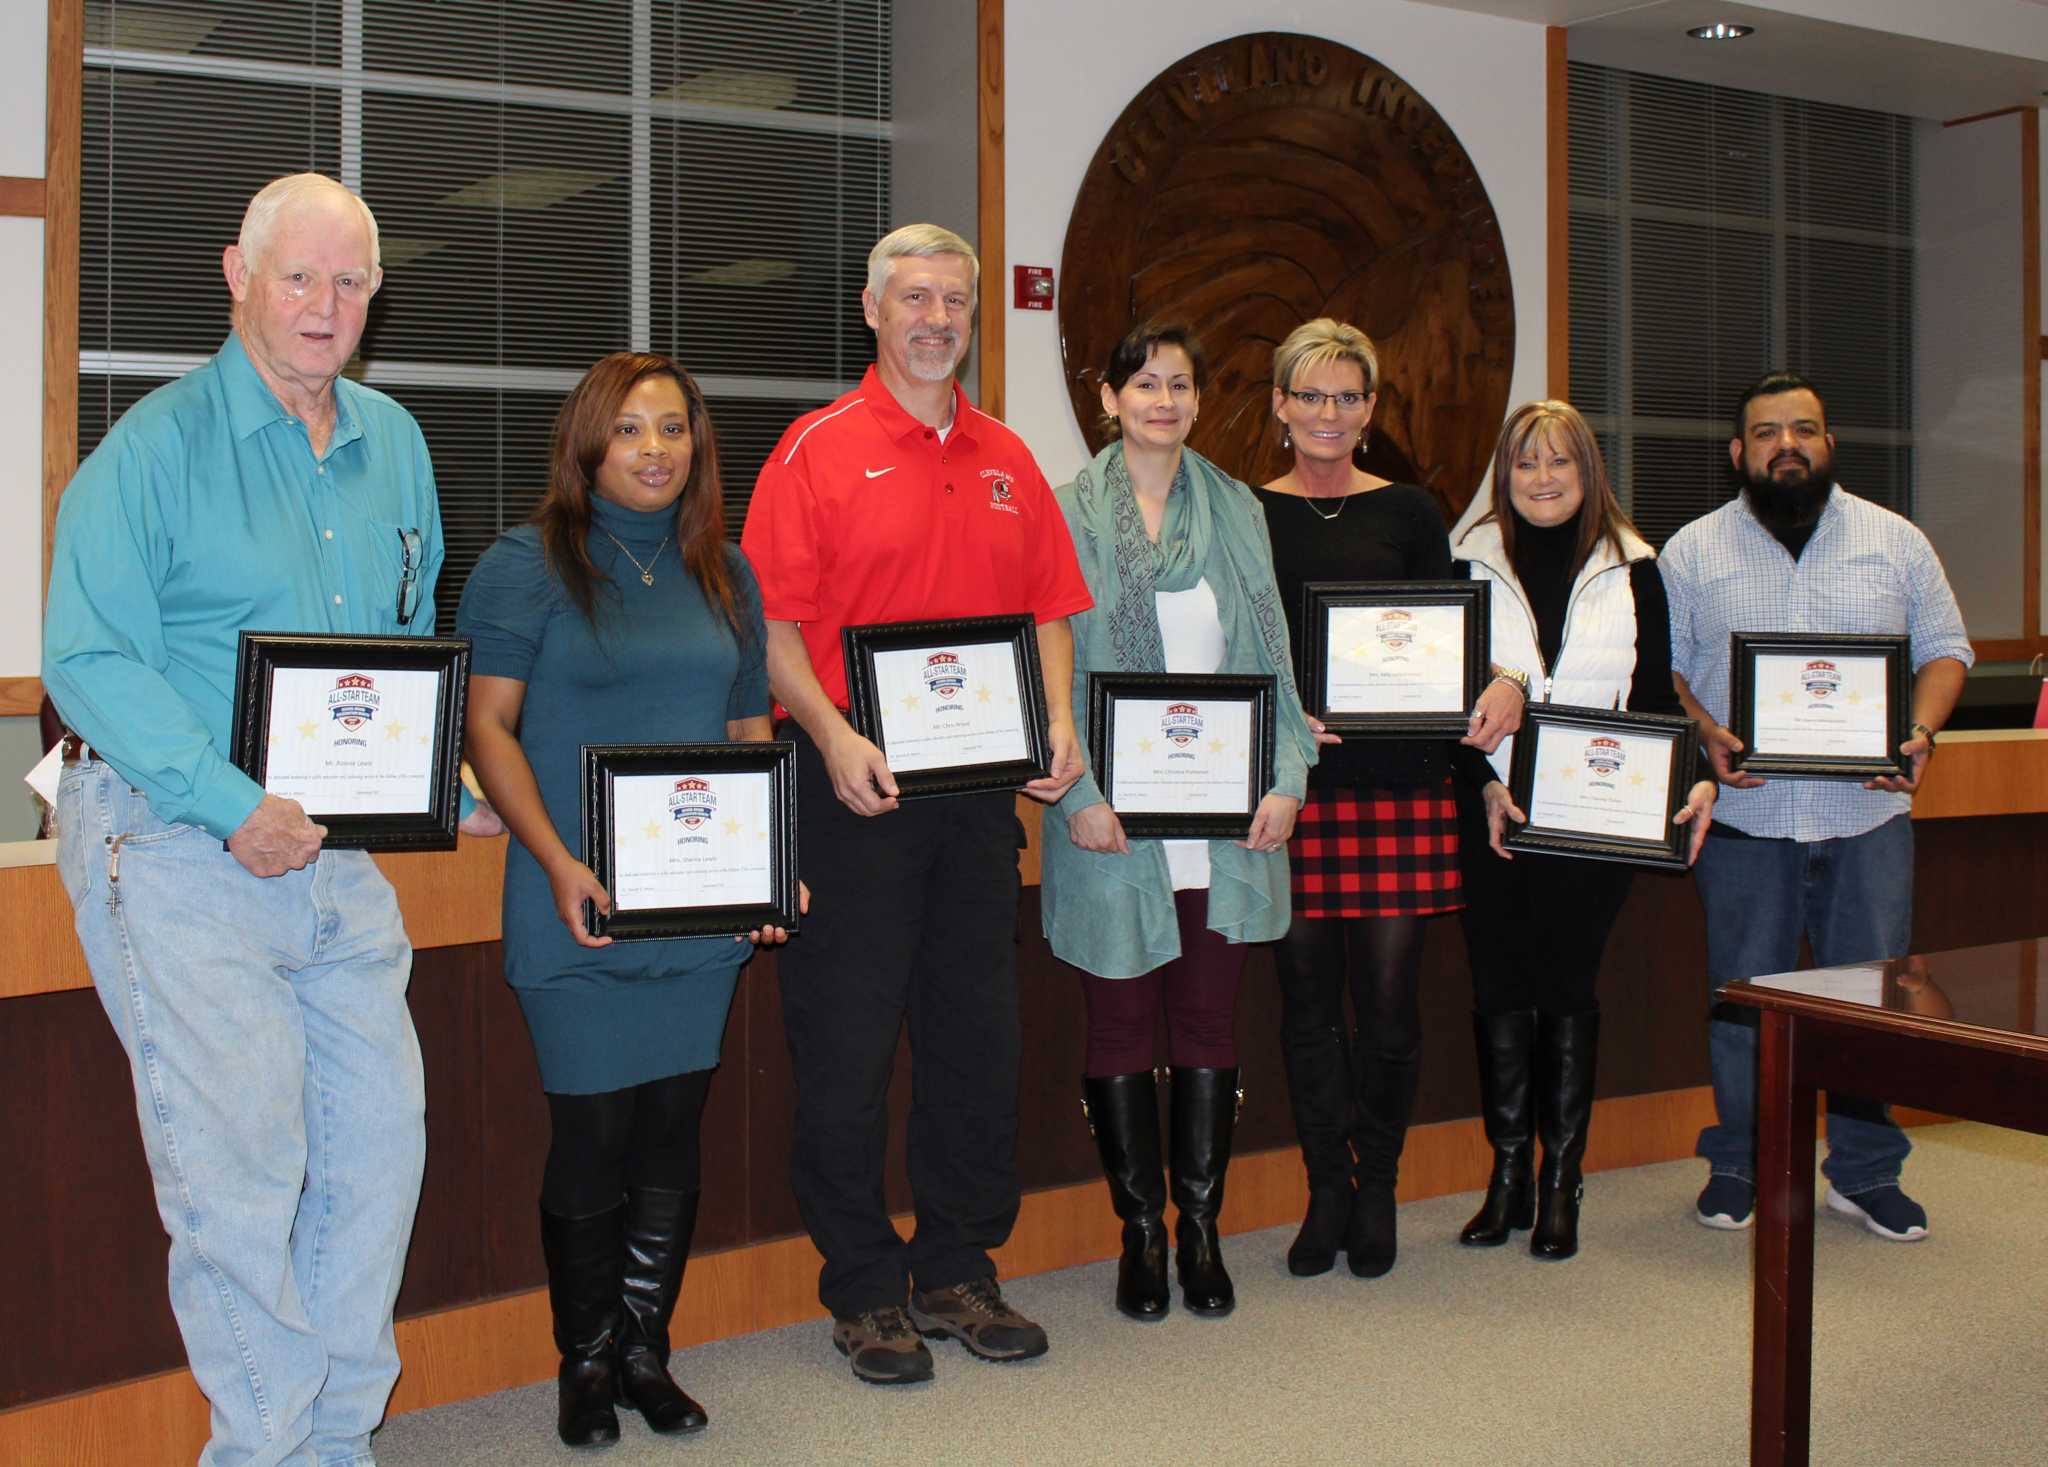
pixel 1636 1352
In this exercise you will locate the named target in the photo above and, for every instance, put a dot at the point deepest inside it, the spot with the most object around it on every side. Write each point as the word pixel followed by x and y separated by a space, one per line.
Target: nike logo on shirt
pixel 877 473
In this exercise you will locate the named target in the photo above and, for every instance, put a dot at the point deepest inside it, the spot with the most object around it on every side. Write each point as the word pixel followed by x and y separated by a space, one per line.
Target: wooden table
pixel 1958 1032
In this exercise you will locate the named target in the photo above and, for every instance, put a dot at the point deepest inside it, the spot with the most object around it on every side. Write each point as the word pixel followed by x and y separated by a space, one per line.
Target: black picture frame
pixel 605 764
pixel 1107 690
pixel 1744 649
pixel 1320 598
pixel 259 655
pixel 861 645
pixel 1682 771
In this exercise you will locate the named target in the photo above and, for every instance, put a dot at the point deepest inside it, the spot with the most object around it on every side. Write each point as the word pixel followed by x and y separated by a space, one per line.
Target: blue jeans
pixel 1853 898
pixel 278 1083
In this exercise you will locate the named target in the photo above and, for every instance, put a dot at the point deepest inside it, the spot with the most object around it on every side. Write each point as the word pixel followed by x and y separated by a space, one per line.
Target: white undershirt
pixel 1193 634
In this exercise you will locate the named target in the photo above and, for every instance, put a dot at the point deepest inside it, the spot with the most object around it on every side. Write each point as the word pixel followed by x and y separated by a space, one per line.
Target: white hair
pixel 922 241
pixel 282 196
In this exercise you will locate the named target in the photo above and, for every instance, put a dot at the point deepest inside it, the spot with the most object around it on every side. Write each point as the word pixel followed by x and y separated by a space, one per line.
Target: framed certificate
pixel 364 732
pixel 1180 754
pixel 691 840
pixel 1394 659
pixel 1819 707
pixel 957 707
pixel 1603 784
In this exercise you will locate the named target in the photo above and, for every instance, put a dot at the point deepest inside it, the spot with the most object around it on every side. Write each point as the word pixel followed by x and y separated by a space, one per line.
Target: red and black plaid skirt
pixel 1376 853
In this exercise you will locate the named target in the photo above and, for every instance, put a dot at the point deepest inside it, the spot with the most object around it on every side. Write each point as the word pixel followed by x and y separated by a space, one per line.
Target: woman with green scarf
pixel 1176 555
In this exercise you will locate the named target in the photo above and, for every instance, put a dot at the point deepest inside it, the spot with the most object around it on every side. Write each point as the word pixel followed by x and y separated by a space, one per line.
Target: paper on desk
pixel 43 778
pixel 1861 984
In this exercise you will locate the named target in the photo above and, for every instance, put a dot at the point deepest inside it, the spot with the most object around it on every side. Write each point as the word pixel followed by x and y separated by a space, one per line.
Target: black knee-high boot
pixel 583 1292
pixel 1567 1053
pixel 1204 1114
pixel 1507 1052
pixel 1386 1097
pixel 1123 1114
pixel 1317 1057
pixel 657 1245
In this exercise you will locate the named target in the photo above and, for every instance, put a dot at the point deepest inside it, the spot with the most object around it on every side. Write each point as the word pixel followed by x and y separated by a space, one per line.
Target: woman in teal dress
pixel 618 614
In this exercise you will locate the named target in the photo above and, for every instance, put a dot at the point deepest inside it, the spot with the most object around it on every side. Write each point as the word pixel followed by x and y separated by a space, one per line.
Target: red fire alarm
pixel 1034 287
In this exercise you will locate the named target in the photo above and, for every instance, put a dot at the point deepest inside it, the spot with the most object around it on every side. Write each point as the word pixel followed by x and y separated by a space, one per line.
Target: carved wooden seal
pixel 1272 178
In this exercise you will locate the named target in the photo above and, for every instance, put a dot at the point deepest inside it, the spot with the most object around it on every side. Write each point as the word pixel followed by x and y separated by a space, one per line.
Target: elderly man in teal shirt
pixel 259 990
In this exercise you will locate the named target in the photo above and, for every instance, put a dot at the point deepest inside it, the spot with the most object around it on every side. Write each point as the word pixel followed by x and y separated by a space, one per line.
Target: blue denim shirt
pixel 203 513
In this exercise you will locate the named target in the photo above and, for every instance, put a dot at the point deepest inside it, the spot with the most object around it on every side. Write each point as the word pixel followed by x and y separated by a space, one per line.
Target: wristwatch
pixel 1926 733
pixel 1514 675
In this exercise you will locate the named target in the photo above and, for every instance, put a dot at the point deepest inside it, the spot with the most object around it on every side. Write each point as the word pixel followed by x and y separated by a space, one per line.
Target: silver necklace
pixel 1342 500
pixel 647 570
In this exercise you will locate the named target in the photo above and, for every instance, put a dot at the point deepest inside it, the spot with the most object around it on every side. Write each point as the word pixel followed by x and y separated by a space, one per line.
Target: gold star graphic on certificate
pixel 1144 746
pixel 1855 700
pixel 910 700
pixel 423 740
pixel 1429 649
pixel 394 730
pixel 760 835
pixel 1570 771
pixel 277 738
pixel 732 827
pixel 653 829
pixel 982 695
pixel 1215 746
pixel 1787 697
pixel 308 729
pixel 1637 779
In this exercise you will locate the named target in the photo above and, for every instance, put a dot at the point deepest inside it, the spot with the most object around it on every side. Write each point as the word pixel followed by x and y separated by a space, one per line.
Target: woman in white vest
pixel 1579 605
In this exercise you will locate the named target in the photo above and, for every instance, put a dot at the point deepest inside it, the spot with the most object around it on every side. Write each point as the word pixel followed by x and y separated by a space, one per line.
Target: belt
pixel 76 750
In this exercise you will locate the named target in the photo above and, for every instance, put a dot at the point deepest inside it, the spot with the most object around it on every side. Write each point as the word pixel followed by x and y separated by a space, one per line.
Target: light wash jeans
pixel 278 1083
pixel 1853 898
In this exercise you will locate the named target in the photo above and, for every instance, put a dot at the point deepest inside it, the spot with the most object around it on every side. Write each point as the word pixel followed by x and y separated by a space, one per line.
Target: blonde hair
pixel 1601 516
pixel 282 196
pixel 1320 342
pixel 922 241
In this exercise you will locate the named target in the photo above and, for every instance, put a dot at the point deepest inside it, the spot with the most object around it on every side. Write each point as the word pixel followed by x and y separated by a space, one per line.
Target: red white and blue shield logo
pixel 692 802
pixel 1181 723
pixel 354 700
pixel 945 674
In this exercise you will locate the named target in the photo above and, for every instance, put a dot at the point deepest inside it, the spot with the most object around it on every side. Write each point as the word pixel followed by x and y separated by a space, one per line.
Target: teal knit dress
pixel 660 666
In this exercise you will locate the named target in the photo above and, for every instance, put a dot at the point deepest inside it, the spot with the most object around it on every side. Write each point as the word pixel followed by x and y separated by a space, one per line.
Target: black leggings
pixel 1535 926
pixel 642 1136
pixel 1379 958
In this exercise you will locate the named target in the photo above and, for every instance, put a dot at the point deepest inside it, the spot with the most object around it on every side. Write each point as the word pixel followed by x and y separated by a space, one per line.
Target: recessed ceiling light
pixel 1720 30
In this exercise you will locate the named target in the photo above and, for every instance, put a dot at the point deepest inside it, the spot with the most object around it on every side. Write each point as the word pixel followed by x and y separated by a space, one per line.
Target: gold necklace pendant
pixel 647 570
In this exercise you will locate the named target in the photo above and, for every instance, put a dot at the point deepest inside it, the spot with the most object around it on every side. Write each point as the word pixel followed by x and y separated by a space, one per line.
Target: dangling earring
pixel 1287 439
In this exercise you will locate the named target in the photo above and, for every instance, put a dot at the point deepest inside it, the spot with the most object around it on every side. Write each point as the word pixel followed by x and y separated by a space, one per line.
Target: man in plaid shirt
pixel 1795 552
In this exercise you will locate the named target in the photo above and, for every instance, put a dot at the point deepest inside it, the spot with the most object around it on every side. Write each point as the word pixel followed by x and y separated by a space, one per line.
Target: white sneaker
pixel 1886 1211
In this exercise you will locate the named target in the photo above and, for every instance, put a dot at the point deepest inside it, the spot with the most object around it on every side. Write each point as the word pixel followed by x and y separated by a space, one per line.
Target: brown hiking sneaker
pixel 882 1348
pixel 975 1314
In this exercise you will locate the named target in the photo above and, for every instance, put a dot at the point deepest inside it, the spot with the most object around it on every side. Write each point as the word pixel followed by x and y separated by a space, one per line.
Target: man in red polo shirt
pixel 902 502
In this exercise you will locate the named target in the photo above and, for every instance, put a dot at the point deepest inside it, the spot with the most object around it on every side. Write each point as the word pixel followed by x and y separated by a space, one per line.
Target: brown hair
pixel 582 437
pixel 1600 514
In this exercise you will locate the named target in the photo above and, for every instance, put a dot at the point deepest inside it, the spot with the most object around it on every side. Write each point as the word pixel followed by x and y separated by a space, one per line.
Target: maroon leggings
pixel 1198 990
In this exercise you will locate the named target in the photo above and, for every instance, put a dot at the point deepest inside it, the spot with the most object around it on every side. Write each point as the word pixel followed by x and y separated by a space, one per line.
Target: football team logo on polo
pixel 692 802
pixel 1000 493
pixel 1182 724
pixel 1822 678
pixel 354 700
pixel 1604 756
pixel 945 674
pixel 1396 629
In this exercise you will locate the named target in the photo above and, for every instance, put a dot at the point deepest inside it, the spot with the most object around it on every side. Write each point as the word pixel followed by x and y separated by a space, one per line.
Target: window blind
pixel 1717 234
pixel 551 182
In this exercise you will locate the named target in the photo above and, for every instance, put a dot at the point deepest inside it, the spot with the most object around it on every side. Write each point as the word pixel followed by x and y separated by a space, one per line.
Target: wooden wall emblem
pixel 1272 178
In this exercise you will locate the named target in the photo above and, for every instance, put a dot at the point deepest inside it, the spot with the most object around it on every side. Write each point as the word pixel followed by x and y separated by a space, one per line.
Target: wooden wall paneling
pixel 446 1264
pixel 85 1254
pixel 1557 150
pixel 770 1087
pixel 2030 356
pixel 991 224
pixel 44 955
pixel 1985 772
pixel 449 898
pixel 21 198
pixel 20 696
pixel 514 1141
pixel 61 156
